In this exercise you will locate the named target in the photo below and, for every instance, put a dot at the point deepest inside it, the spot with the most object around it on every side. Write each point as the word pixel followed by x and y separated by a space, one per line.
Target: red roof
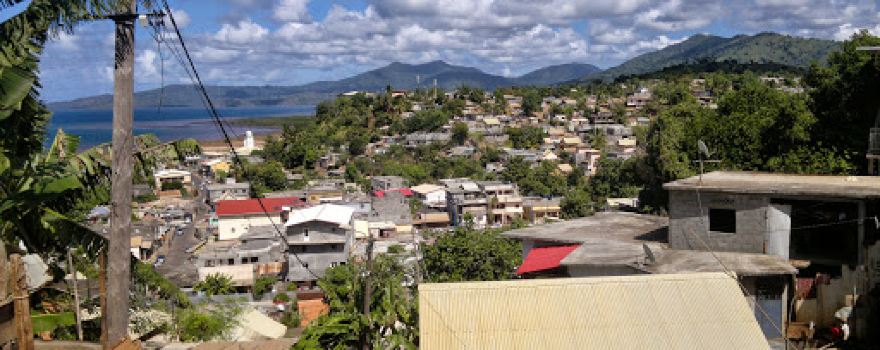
pixel 545 258
pixel 252 206
pixel 406 192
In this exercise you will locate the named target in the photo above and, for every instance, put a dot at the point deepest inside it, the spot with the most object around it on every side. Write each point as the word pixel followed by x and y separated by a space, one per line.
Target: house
pixel 619 244
pixel 503 201
pixel 228 190
pixel 431 221
pixel 639 99
pixel 257 253
pixel 385 183
pixel 391 205
pixel 431 195
pixel 423 139
pixel 166 176
pixel 319 237
pixel 466 200
pixel 537 210
pixel 235 217
pixel 213 165
pixel 668 311
pixel 824 225
pixel 588 159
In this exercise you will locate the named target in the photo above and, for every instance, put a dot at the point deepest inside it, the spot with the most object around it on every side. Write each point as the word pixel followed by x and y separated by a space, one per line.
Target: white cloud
pixel 65 41
pixel 180 17
pixel 292 11
pixel 244 32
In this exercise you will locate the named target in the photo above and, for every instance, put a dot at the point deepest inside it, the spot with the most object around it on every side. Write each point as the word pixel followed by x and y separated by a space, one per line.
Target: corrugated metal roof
pixel 688 311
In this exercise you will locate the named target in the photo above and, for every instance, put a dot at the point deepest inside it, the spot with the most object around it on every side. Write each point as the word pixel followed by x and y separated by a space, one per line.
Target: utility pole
pixel 118 252
pixel 368 287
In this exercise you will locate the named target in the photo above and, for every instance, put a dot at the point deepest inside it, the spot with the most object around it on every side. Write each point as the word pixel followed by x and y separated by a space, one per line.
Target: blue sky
pixel 291 42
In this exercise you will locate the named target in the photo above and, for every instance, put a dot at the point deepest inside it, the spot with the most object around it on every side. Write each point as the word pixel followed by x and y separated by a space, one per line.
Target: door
pixel 778 234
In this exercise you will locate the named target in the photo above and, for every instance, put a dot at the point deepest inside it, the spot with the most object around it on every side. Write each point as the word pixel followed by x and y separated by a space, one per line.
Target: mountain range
pixel 760 48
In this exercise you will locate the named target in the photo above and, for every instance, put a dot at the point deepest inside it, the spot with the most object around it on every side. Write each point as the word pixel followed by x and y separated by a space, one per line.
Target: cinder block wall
pixel 685 223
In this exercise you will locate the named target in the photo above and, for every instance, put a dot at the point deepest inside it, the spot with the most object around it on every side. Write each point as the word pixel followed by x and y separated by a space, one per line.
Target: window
pixel 255 259
pixel 722 220
pixel 231 261
pixel 244 260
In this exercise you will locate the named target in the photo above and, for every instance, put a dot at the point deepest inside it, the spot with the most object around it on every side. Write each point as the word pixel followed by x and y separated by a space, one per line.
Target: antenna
pixel 703 150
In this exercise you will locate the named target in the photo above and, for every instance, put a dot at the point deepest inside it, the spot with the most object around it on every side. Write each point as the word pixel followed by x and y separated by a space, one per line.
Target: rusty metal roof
pixel 681 311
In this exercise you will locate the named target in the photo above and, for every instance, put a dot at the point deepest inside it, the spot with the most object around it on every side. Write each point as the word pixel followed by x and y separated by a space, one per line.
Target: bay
pixel 95 126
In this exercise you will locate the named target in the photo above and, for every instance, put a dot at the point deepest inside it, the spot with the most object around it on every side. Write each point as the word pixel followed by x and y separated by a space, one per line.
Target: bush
pixel 175 185
pixel 262 285
pixel 395 249
pixel 281 298
pixel 291 319
pixel 197 326
pixel 291 287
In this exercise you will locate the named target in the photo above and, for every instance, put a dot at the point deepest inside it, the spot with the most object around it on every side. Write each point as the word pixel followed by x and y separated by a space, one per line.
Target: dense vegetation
pixel 759 48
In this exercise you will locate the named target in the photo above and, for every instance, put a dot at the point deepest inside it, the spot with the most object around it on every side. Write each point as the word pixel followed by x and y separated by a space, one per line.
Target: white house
pixel 235 217
pixel 431 195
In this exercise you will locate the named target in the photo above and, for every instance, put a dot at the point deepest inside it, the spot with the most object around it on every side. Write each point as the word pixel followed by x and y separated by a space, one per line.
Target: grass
pixel 295 120
pixel 49 322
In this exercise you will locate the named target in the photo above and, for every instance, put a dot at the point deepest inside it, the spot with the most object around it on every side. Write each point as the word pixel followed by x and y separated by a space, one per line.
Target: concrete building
pixel 257 253
pixel 424 139
pixel 320 237
pixel 620 243
pixel 171 176
pixel 504 204
pixel 466 199
pixel 385 183
pixel 824 225
pixel 235 217
pixel 537 210
pixel 431 195
pixel 229 190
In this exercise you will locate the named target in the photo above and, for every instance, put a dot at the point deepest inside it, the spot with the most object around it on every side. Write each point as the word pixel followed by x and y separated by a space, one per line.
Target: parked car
pixel 160 260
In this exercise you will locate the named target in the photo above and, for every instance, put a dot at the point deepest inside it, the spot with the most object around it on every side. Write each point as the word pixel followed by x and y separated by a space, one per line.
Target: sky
pixel 292 42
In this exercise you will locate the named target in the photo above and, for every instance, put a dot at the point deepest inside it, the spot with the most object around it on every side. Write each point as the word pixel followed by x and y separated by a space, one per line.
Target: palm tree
pixel 215 284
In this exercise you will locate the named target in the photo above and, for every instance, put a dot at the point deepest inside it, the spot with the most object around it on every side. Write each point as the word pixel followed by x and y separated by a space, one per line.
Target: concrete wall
pixel 318 256
pixel 686 224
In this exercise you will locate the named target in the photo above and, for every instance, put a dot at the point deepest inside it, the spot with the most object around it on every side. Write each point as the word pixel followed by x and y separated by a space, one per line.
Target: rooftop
pixel 681 311
pixel 782 184
pixel 253 207
pixel 331 213
pixel 745 264
pixel 604 226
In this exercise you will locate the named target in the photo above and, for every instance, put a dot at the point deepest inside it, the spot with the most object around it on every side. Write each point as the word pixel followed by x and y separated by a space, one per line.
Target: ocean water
pixel 95 126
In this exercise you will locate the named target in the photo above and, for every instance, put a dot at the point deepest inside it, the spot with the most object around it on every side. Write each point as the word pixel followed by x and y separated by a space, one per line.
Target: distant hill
pixel 558 73
pixel 398 75
pixel 763 48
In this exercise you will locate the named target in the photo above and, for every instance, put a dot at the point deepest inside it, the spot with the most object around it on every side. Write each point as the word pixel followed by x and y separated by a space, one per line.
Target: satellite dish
pixel 649 255
pixel 704 149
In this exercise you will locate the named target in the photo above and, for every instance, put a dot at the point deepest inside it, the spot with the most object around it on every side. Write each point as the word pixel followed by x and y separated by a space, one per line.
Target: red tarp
pixel 545 258
pixel 252 206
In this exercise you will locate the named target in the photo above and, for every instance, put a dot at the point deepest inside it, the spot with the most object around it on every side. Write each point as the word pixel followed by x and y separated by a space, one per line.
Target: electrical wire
pixel 217 119
pixel 727 270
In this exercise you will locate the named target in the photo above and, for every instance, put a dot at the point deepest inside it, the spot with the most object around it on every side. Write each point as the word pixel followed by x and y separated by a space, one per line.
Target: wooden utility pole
pixel 118 252
pixel 24 330
pixel 72 270
pixel 368 287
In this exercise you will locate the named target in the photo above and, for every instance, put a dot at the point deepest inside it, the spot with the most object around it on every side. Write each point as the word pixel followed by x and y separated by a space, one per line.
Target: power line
pixel 216 116
pixel 727 270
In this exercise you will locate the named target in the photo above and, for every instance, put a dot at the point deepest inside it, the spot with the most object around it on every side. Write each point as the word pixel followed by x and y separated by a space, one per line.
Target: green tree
pixel 577 203
pixel 215 284
pixel 393 319
pixel 262 285
pixel 469 255
pixel 265 176
pixel 459 133
pixel 843 97
pixel 531 102
pixel 526 137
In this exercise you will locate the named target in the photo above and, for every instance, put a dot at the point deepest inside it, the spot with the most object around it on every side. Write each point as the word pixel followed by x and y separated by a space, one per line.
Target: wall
pixel 233 227
pixel 686 223
pixel 319 257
